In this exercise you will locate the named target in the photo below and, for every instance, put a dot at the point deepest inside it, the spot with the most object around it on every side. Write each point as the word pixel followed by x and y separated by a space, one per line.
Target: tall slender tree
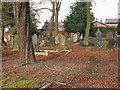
pixel 52 18
pixel 87 32
pixel 22 20
pixel 57 8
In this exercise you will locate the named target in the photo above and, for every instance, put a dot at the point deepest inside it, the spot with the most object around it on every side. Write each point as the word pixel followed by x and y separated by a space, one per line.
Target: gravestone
pixel 52 40
pixel 75 37
pixel 15 42
pixel 34 40
pixel 40 37
pixel 117 43
pixel 42 43
pixel 111 43
pixel 62 40
pixel 57 40
pixel 11 41
pixel 71 36
pixel 78 35
pixel 81 36
pixel 98 38
pixel 109 35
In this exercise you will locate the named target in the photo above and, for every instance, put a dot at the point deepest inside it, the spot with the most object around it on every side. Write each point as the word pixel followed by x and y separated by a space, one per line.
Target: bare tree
pixel 56 7
pixel 56 4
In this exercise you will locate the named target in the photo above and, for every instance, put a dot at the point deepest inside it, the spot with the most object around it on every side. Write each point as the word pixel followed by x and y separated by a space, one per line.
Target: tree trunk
pixel 53 16
pixel 57 8
pixel 22 17
pixel 3 32
pixel 86 38
pixel 56 22
pixel 29 47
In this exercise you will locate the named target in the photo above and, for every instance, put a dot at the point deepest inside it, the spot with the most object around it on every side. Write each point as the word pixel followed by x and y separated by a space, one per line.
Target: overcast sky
pixel 102 9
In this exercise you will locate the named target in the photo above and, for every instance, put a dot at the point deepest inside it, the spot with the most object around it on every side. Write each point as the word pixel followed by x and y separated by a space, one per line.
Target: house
pixel 60 29
pixel 60 26
pixel 112 22
pixel 99 24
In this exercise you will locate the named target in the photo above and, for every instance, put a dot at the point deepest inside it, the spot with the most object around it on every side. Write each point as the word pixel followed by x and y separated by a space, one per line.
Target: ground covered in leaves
pixel 83 67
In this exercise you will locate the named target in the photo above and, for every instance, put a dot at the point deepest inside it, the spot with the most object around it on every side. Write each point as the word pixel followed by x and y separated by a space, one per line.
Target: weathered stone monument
pixel 81 36
pixel 71 36
pixel 98 38
pixel 11 41
pixel 57 40
pixel 111 43
pixel 52 40
pixel 109 35
pixel 117 43
pixel 34 40
pixel 78 35
pixel 42 43
pixel 75 37
pixel 15 42
pixel 62 40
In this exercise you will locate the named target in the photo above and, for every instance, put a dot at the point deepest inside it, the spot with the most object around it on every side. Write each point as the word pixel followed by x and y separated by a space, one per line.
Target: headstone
pixel 81 36
pixel 40 37
pixel 98 37
pixel 78 35
pixel 16 41
pixel 11 41
pixel 117 43
pixel 75 37
pixel 34 40
pixel 109 35
pixel 52 40
pixel 111 43
pixel 71 36
pixel 62 40
pixel 42 43
pixel 57 40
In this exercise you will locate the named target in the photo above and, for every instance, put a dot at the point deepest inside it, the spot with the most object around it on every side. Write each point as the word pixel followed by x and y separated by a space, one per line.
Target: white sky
pixel 102 9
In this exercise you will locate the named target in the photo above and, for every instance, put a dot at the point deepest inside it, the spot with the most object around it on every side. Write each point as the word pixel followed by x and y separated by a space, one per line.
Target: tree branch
pixel 43 8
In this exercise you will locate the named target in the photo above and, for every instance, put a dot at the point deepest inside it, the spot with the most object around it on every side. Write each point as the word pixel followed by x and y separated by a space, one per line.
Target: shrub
pixel 104 31
pixel 89 44
pixel 111 43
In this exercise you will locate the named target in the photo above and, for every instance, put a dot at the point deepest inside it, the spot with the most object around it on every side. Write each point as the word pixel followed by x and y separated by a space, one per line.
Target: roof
pixel 112 21
pixel 101 23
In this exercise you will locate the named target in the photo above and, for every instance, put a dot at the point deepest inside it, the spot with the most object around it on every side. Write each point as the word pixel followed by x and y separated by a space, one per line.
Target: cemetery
pixel 60 63
pixel 61 55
